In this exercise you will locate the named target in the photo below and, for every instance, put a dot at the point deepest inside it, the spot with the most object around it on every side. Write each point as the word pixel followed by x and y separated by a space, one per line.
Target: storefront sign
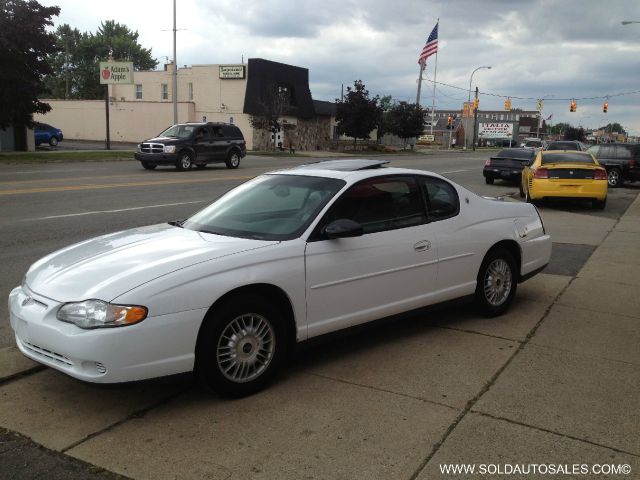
pixel 495 130
pixel 116 73
pixel 231 71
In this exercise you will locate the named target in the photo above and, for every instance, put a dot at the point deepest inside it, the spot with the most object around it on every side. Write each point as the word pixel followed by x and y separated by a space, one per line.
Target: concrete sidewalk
pixel 556 381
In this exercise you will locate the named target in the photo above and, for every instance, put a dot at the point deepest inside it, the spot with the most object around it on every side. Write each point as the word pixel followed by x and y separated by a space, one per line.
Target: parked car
pixel 562 174
pixel 287 256
pixel 507 164
pixel 566 145
pixel 187 144
pixel 45 133
pixel 534 143
pixel 622 161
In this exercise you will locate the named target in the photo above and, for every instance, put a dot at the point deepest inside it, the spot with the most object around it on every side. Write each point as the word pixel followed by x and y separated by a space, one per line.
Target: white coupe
pixel 287 256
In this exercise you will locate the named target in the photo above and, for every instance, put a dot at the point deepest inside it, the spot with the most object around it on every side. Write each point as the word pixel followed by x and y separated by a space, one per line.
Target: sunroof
pixel 346 165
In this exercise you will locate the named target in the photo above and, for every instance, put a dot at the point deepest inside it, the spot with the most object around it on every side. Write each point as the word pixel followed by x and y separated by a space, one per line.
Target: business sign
pixel 495 130
pixel 231 71
pixel 116 73
pixel 426 138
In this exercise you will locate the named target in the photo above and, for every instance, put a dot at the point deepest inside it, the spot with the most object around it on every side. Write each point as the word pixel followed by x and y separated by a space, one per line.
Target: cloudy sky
pixel 549 49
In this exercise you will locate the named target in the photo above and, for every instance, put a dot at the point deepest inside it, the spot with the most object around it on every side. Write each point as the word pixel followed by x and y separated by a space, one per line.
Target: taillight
pixel 541 173
pixel 632 163
pixel 487 163
pixel 601 174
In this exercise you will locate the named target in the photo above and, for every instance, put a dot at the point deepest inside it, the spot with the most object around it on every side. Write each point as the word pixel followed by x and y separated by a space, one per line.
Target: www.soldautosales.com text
pixel 534 469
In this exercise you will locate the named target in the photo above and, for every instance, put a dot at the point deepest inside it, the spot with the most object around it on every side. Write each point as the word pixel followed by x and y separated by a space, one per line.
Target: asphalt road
pixel 48 206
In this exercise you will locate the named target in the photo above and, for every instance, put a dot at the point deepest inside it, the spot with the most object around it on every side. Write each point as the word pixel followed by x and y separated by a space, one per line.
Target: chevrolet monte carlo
pixel 287 256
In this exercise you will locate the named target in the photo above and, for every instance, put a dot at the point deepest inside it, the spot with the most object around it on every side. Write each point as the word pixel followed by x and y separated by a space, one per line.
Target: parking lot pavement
pixel 555 381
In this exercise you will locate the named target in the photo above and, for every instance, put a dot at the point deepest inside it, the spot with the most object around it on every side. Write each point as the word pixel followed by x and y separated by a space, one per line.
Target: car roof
pixel 351 170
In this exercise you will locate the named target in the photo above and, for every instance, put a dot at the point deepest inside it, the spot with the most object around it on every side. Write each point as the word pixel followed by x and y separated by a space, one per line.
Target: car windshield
pixel 515 153
pixel 567 158
pixel 178 131
pixel 533 143
pixel 269 207
pixel 563 146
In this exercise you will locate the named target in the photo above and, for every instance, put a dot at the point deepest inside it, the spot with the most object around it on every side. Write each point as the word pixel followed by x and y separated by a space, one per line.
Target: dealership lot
pixel 555 381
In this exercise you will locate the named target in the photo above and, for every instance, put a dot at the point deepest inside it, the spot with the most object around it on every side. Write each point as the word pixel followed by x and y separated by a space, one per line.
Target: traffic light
pixel 475 103
pixel 449 121
pixel 573 106
pixel 507 104
pixel 605 107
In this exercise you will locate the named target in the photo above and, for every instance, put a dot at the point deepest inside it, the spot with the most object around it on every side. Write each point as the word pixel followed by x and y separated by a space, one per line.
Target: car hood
pixel 108 266
pixel 165 140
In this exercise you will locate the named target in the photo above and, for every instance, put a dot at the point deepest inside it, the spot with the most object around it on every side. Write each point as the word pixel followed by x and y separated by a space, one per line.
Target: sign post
pixel 113 73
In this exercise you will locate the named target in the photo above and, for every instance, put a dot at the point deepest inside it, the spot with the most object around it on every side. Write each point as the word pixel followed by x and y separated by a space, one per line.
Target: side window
pixel 232 132
pixel 623 153
pixel 595 150
pixel 202 134
pixel 607 151
pixel 442 199
pixel 217 132
pixel 380 204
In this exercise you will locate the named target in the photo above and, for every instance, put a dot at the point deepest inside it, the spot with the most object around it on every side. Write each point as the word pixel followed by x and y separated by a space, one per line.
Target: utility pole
pixel 175 69
pixel 475 122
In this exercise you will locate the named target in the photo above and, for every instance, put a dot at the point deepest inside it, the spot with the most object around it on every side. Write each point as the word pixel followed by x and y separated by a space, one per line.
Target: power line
pixel 554 99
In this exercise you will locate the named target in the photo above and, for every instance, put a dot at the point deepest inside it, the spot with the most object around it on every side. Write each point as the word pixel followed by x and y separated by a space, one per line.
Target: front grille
pixel 43 352
pixel 571 173
pixel 152 148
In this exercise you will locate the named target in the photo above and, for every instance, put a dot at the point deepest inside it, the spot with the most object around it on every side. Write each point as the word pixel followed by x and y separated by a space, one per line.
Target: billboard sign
pixel 116 73
pixel 231 71
pixel 495 130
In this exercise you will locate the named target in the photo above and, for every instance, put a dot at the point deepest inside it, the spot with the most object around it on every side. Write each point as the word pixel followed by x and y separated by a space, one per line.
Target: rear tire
pixel 241 346
pixel 488 180
pixel 614 178
pixel 496 283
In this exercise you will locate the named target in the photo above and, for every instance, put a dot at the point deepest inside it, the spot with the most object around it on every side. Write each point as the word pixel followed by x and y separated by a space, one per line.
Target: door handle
pixel 422 246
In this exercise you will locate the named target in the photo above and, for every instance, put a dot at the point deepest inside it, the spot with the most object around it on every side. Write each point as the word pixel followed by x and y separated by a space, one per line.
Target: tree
pixel 615 127
pixel 271 106
pixel 406 120
pixel 572 133
pixel 357 115
pixel 559 128
pixel 386 103
pixel 24 47
pixel 75 72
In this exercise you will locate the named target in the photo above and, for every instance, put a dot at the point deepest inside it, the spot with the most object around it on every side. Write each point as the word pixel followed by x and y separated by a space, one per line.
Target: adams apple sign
pixel 116 72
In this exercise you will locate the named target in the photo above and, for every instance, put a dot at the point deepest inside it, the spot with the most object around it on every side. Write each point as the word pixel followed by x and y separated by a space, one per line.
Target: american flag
pixel 430 47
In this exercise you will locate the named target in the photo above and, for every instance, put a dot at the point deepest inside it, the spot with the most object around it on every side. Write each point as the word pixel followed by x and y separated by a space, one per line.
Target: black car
pixel 621 160
pixel 508 164
pixel 566 145
pixel 186 144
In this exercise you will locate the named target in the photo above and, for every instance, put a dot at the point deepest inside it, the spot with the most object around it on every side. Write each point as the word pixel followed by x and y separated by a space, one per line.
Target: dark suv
pixel 622 161
pixel 188 144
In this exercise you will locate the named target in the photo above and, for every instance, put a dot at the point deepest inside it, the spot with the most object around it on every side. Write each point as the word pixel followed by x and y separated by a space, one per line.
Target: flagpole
pixel 422 65
pixel 435 78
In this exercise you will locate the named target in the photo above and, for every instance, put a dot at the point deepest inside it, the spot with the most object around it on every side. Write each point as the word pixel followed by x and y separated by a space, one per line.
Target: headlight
pixel 99 314
pixel 169 149
pixel 139 147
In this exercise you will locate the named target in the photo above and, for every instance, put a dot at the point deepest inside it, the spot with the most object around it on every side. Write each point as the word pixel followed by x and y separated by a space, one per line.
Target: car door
pixel 389 269
pixel 203 144
pixel 221 143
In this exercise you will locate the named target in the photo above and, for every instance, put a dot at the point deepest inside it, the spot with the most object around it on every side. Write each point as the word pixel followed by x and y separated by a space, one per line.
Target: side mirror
pixel 343 228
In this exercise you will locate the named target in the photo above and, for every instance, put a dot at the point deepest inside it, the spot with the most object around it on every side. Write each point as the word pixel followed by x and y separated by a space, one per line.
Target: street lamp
pixel 469 100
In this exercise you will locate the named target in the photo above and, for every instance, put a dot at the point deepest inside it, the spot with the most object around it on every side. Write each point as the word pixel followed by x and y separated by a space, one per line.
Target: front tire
pixel 233 160
pixel 241 346
pixel 614 178
pixel 185 161
pixel 488 180
pixel 53 141
pixel 496 283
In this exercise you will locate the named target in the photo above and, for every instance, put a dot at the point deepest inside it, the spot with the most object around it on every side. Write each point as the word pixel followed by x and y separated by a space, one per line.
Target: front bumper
pixel 595 189
pixel 155 347
pixel 157 158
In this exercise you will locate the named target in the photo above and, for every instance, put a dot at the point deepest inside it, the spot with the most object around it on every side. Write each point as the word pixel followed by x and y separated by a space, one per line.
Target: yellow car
pixel 565 174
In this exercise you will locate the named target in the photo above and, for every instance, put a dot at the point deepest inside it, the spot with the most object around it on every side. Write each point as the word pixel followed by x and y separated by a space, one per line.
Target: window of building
pixel 164 89
pixel 190 89
pixel 138 91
